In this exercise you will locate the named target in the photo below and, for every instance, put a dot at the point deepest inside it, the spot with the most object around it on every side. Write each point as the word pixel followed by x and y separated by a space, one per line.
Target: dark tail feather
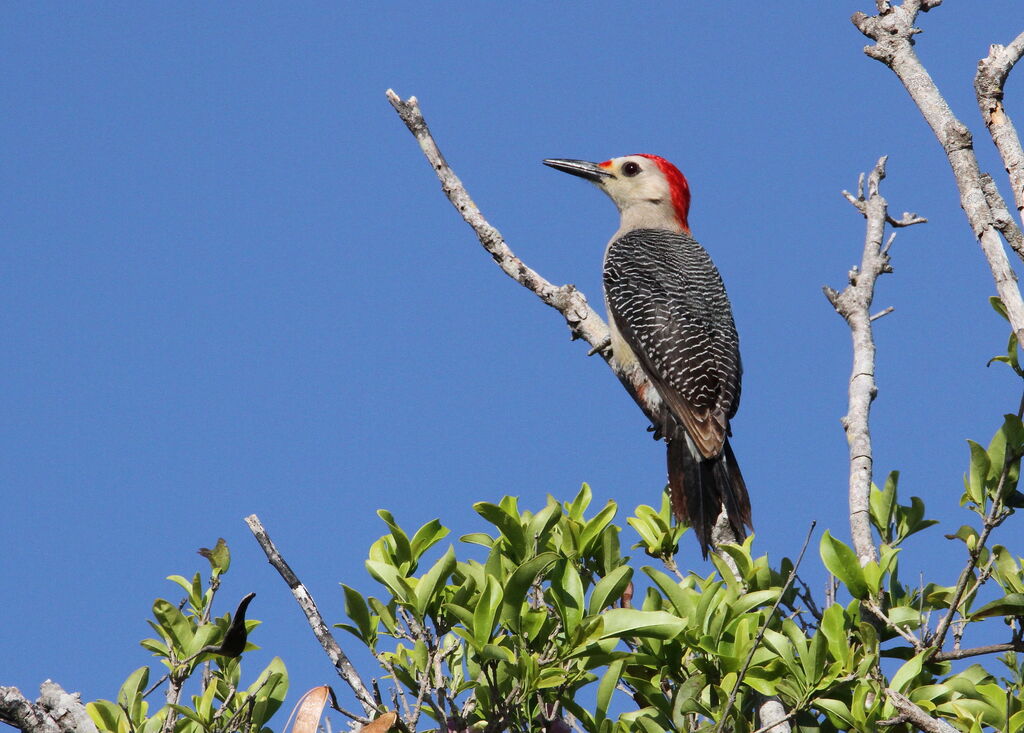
pixel 699 489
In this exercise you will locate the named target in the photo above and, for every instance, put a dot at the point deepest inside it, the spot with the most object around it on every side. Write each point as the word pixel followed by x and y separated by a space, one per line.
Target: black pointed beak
pixel 583 169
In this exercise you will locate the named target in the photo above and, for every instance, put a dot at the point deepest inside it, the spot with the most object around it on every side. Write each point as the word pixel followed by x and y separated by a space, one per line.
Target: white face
pixel 634 180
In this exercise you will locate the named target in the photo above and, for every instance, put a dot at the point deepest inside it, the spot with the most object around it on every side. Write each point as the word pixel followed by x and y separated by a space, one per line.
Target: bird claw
pixel 603 346
pixel 658 435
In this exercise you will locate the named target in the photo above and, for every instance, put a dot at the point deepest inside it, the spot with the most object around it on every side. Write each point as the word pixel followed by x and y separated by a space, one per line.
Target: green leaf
pixel 997 306
pixel 509 526
pixel 486 612
pixel 833 626
pixel 356 609
pixel 567 593
pixel 593 529
pixel 882 504
pixel 544 520
pixel 579 504
pixel 107 716
pixel 907 673
pixel 174 624
pixel 219 556
pixel 619 623
pixel 980 465
pixel 609 589
pixel 133 686
pixel 269 691
pixel 477 538
pixel 434 578
pixel 836 709
pixel 1009 605
pixel 606 688
pixel 686 699
pixel 426 537
pixel 403 550
pixel 388 576
pixel 842 563
pixel 524 576
pixel 681 599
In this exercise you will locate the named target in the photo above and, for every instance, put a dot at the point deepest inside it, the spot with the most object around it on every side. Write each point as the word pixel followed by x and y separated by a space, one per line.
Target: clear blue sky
pixel 230 284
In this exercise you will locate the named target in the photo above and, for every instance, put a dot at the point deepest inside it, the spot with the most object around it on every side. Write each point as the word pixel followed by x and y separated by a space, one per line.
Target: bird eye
pixel 631 168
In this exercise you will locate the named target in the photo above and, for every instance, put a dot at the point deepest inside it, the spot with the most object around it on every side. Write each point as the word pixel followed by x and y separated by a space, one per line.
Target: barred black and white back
pixel 668 304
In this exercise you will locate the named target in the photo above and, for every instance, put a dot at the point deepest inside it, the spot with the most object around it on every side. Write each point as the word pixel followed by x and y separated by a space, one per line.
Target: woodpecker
pixel 668 310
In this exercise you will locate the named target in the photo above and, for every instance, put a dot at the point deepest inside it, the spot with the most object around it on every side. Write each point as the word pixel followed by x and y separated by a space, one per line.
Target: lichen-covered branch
pixel 892 31
pixel 320 629
pixel 56 711
pixel 988 86
pixel 854 305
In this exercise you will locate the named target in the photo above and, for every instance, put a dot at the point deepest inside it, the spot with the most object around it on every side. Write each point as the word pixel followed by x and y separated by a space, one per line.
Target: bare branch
pixel 320 629
pixel 854 305
pixel 881 616
pixel 988 87
pixel 913 714
pixel 893 30
pixel 56 711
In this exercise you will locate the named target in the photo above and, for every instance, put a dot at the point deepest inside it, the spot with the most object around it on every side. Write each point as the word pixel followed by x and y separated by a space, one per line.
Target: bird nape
pixel 668 311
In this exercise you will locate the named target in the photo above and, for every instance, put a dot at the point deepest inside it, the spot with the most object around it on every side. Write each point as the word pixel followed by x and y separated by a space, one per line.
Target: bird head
pixel 649 191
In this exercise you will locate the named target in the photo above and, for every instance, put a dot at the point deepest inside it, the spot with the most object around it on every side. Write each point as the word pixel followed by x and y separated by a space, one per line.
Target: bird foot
pixel 605 345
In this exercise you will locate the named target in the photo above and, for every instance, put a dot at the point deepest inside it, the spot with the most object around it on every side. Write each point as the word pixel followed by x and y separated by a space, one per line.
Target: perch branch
pixel 316 621
pixel 893 31
pixel 583 321
pixel 56 711
pixel 854 305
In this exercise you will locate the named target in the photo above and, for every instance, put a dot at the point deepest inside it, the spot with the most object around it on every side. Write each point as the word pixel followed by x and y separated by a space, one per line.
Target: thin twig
pixel 760 633
pixel 881 616
pixel 1010 646
pixel 320 629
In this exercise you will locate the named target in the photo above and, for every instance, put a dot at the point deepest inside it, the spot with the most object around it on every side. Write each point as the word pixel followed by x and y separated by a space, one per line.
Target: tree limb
pixel 893 30
pixel 320 629
pixel 988 87
pixel 913 714
pixel 854 305
pixel 56 711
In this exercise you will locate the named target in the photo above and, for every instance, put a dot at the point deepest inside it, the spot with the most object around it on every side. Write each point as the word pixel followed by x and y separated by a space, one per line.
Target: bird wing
pixel 669 304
